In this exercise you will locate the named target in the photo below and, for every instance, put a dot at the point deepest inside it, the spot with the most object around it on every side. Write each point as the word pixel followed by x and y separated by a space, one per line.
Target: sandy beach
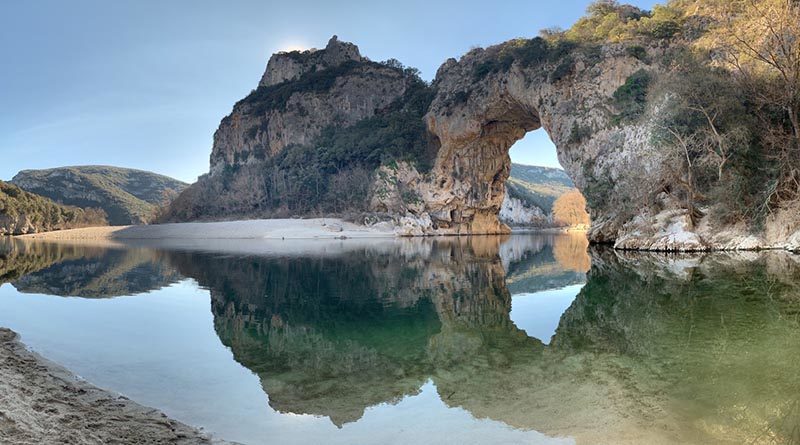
pixel 41 402
pixel 316 228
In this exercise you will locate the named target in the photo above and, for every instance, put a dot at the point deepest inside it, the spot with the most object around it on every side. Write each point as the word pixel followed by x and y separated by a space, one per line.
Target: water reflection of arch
pixel 617 371
pixel 327 335
pixel 334 334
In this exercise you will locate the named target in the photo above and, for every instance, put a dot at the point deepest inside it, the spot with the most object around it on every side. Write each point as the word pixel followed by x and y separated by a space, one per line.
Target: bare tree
pixel 760 39
pixel 682 167
pixel 718 145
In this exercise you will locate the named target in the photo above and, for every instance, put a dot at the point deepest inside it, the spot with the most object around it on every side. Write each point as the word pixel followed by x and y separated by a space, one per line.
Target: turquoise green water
pixel 523 339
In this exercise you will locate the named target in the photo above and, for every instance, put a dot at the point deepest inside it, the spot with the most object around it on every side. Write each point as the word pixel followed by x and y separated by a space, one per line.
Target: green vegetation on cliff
pixel 23 212
pixel 127 196
pixel 721 96
pixel 274 97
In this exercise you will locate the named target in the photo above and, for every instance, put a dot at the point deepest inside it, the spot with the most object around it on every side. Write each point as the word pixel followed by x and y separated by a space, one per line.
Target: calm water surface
pixel 529 339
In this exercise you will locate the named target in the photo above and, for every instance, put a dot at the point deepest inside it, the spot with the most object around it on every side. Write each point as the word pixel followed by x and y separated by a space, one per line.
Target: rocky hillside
pixel 22 212
pixel 127 196
pixel 679 125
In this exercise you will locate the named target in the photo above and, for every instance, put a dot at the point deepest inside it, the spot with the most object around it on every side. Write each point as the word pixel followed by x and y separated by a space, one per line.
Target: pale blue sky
pixel 144 83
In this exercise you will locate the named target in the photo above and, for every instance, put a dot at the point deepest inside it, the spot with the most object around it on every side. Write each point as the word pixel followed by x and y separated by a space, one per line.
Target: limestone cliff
pixel 266 159
pixel 516 212
pixel 328 131
pixel 299 95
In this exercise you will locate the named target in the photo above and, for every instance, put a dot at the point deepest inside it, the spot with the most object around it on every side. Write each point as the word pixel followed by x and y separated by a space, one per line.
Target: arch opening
pixel 538 191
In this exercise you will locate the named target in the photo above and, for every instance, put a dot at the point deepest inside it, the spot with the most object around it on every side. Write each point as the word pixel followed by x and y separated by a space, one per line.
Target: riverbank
pixel 677 239
pixel 41 402
pixel 316 228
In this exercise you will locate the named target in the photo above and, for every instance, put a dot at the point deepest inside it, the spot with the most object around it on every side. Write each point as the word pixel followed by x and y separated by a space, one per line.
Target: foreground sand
pixel 317 228
pixel 42 403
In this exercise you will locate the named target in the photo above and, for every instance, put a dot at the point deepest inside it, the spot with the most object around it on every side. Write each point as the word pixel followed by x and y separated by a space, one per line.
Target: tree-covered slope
pixel 128 196
pixel 537 186
pixel 22 212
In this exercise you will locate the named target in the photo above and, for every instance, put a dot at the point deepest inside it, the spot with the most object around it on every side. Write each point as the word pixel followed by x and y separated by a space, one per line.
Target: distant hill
pixel 22 212
pixel 538 186
pixel 127 196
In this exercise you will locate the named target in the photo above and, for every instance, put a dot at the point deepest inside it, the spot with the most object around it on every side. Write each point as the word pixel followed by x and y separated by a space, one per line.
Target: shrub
pixel 664 29
pixel 631 97
pixel 526 52
pixel 609 21
pixel 562 70
pixel 637 52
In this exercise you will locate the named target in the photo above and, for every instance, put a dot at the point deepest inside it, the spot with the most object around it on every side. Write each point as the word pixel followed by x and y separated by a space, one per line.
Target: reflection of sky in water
pixel 538 313
pixel 160 349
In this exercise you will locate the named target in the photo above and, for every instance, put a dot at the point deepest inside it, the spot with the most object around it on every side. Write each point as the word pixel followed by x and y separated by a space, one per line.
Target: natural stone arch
pixel 477 120
pixel 482 104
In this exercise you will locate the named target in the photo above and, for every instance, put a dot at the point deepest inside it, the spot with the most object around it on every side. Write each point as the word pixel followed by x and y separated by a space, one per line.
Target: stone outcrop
pixel 476 133
pixel 288 66
pixel 299 95
pixel 514 212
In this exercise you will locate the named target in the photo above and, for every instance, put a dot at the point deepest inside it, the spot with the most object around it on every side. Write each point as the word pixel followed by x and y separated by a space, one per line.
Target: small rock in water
pixel 334 227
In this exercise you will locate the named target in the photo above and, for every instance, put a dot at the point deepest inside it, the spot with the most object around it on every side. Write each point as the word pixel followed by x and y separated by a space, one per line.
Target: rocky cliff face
pixel 478 107
pixel 481 110
pixel 499 109
pixel 299 95
pixel 290 66
pixel 515 212
pixel 268 158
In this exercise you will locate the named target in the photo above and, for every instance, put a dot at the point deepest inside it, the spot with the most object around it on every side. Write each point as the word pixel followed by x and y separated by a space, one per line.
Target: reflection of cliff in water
pixel 542 262
pixel 334 335
pixel 651 354
pixel 82 270
pixel 18 258
pixel 712 341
